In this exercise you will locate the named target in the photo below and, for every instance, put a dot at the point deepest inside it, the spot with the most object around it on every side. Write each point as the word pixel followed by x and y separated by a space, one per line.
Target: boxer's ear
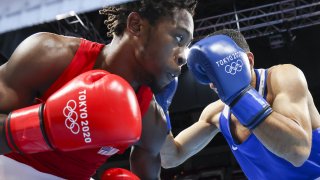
pixel 251 59
pixel 134 22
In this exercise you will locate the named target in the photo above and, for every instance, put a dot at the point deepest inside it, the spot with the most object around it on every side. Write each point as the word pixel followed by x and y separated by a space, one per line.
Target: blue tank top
pixel 257 162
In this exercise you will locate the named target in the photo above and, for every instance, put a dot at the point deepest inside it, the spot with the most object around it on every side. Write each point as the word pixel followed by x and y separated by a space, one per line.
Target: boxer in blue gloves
pixel 267 116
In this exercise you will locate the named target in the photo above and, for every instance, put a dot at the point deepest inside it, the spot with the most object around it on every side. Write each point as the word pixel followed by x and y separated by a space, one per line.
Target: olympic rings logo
pixel 234 67
pixel 71 117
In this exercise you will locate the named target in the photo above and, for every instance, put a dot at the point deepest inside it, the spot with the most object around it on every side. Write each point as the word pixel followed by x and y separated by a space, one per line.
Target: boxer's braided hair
pixel 151 10
pixel 236 36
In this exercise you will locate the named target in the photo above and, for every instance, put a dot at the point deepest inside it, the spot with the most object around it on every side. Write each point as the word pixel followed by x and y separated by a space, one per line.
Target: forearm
pixel 4 148
pixel 281 132
pixel 145 165
pixel 186 144
pixel 285 138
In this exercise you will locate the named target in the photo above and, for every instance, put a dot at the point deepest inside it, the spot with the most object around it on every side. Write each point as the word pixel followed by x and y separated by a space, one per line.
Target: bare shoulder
pixel 284 69
pixel 51 40
pixel 40 55
pixel 34 65
pixel 45 46
pixel 211 113
pixel 287 78
pixel 287 75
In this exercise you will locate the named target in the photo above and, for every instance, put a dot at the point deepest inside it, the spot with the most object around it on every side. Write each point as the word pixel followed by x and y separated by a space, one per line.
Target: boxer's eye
pixel 179 39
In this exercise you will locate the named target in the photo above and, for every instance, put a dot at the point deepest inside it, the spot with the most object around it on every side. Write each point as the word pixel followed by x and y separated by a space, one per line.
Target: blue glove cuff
pixel 250 108
pixel 164 99
pixel 168 122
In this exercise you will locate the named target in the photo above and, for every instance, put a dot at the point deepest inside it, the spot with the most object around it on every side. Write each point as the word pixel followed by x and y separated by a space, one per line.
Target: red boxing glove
pixel 118 174
pixel 94 109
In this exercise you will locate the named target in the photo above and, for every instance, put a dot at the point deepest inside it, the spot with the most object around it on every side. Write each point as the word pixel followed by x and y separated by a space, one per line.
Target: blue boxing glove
pixel 219 60
pixel 164 98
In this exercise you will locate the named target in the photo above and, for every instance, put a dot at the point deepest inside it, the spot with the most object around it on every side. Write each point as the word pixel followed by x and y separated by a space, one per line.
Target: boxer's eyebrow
pixel 188 34
pixel 186 31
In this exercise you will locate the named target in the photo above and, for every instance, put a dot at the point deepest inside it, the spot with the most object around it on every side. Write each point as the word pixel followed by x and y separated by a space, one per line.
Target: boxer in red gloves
pixel 82 114
pixel 43 138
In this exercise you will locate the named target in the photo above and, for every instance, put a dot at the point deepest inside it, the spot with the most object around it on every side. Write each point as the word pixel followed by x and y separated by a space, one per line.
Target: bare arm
pixel 193 139
pixel 145 155
pixel 33 66
pixel 287 131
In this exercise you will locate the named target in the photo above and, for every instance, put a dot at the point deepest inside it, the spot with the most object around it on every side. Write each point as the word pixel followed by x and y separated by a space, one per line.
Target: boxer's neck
pixel 253 78
pixel 118 58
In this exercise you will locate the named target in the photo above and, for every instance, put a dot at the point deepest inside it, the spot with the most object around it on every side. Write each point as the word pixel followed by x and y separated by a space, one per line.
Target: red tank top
pixel 80 164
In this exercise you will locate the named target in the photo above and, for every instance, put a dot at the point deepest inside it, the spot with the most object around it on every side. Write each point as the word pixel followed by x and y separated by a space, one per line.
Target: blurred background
pixel 278 32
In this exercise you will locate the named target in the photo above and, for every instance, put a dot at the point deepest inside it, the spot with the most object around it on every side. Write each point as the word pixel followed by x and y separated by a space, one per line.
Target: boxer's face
pixel 162 49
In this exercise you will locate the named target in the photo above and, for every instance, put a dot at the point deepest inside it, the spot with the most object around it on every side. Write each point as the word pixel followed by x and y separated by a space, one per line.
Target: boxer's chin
pixel 155 87
pixel 161 82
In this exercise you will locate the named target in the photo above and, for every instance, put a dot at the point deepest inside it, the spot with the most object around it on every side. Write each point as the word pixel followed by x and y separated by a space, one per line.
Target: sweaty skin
pixel 144 54
pixel 286 132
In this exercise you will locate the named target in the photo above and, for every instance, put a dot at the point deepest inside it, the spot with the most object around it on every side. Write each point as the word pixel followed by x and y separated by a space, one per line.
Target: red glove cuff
pixel 24 130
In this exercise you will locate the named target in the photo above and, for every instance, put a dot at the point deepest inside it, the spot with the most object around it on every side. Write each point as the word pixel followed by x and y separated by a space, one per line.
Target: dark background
pixel 289 42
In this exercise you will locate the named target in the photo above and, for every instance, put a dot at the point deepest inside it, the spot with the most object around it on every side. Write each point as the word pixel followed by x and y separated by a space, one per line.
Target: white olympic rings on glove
pixel 71 117
pixel 234 67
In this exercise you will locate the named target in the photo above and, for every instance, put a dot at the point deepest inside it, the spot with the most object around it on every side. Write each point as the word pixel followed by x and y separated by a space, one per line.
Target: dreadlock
pixel 152 10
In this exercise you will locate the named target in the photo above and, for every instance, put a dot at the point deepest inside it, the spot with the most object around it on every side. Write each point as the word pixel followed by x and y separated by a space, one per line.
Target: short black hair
pixel 236 36
pixel 151 10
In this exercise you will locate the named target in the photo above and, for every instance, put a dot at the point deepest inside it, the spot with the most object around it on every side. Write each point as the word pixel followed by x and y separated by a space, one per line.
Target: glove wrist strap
pixel 24 130
pixel 250 108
